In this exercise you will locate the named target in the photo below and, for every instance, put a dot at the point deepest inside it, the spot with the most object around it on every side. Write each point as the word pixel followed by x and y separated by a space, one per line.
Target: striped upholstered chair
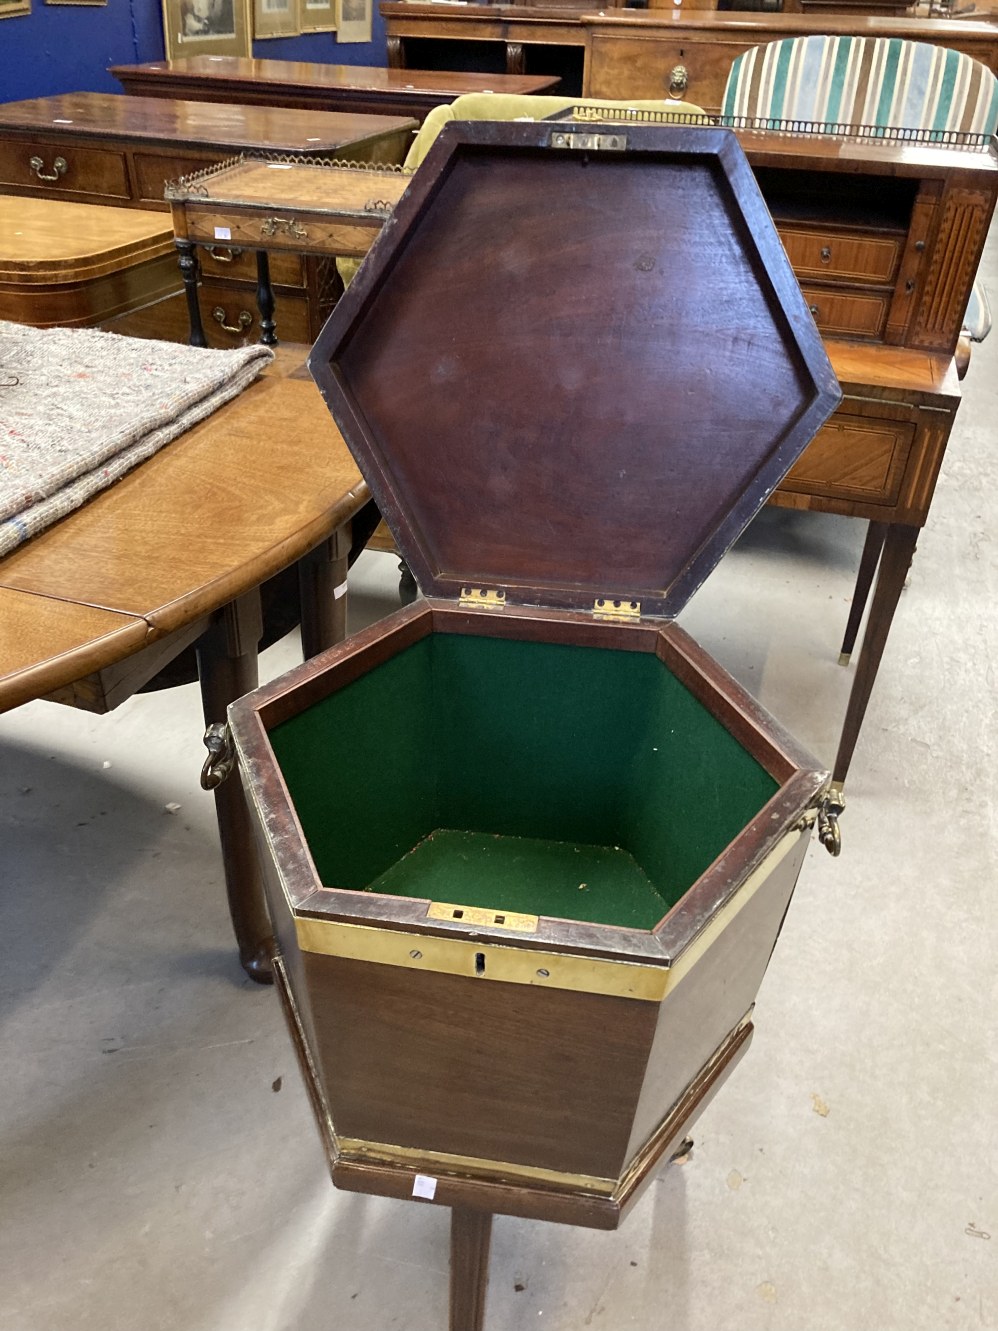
pixel 874 81
pixel 877 82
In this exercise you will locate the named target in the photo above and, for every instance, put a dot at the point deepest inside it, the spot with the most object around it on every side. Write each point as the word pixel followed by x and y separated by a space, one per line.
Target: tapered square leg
pixel 895 560
pixel 470 1240
pixel 875 536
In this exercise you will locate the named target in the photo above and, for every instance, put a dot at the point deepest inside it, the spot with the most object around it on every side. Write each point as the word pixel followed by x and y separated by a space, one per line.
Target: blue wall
pixel 67 48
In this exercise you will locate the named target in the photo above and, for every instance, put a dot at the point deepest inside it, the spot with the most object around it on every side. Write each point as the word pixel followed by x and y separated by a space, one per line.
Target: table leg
pixel 227 667
pixel 190 271
pixel 516 59
pixel 875 536
pixel 265 300
pixel 322 581
pixel 895 560
pixel 470 1238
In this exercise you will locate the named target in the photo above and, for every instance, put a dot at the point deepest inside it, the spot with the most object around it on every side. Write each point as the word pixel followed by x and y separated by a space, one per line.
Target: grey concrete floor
pixel 159 1166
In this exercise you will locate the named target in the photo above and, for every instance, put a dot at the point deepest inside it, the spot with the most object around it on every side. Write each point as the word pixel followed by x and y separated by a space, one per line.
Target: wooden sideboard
pixel 885 238
pixel 640 55
pixel 623 52
pixel 313 86
pixel 99 148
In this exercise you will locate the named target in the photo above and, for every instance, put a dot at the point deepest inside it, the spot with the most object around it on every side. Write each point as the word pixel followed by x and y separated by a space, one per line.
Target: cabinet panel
pixel 848 313
pixel 650 68
pixel 231 317
pixel 229 261
pixel 58 169
pixel 167 319
pixel 822 253
pixel 854 457
pixel 154 169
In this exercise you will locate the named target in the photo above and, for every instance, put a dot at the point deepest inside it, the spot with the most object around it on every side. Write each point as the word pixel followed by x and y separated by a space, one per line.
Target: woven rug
pixel 79 408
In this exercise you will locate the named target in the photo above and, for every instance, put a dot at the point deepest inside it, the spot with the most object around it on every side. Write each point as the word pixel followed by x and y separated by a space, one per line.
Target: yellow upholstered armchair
pixel 506 106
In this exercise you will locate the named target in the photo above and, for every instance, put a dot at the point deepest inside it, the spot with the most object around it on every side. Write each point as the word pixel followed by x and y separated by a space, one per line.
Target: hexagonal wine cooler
pixel 529 847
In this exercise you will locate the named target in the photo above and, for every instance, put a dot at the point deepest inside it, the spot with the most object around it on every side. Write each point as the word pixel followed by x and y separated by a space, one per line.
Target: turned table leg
pixel 189 271
pixel 227 667
pixel 470 1238
pixel 875 536
pixel 265 300
pixel 895 560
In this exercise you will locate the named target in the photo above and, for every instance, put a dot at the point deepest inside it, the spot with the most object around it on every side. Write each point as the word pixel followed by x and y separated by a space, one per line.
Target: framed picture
pixel 353 20
pixel 206 27
pixel 275 18
pixel 8 8
pixel 317 15
pixel 76 2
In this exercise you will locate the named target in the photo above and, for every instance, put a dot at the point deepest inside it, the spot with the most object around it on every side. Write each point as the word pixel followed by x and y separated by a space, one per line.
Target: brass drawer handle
pixel 286 224
pixel 679 80
pixel 815 312
pixel 59 168
pixel 826 254
pixel 222 255
pixel 245 319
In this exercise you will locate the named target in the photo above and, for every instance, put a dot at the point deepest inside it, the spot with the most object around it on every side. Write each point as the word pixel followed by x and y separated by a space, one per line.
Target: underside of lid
pixel 575 374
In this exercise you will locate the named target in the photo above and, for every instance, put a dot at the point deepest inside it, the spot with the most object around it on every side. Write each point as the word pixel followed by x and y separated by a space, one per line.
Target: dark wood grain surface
pixel 103 116
pixel 299 83
pixel 589 423
pixel 469 1067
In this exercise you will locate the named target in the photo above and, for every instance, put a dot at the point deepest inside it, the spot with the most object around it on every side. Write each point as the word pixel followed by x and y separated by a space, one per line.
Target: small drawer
pixel 59 170
pixel 297 233
pixel 827 255
pixel 848 313
pixel 231 261
pixel 683 69
pixel 854 457
pixel 153 171
pixel 231 318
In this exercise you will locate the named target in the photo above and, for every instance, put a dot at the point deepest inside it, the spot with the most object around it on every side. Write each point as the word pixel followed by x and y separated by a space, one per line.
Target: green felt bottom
pixel 603 884
pixel 531 749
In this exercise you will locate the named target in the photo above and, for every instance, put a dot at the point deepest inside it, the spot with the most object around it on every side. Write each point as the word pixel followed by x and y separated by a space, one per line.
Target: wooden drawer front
pixel 153 170
pixel 827 255
pixel 74 170
pixel 633 67
pixel 240 319
pixel 299 233
pixel 228 261
pixel 854 457
pixel 848 313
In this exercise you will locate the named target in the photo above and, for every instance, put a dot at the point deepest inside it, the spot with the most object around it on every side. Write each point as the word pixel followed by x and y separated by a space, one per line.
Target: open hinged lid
pixel 574 366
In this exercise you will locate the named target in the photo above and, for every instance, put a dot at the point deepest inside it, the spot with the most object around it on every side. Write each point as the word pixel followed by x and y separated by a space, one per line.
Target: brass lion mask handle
pixel 679 80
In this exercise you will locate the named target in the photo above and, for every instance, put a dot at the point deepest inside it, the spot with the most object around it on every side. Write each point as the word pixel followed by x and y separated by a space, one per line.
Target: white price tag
pixel 424 1186
pixel 223 233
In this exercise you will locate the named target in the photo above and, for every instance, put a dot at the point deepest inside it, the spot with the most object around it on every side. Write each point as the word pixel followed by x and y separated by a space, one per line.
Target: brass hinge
pixel 485 598
pixel 589 142
pixel 604 608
